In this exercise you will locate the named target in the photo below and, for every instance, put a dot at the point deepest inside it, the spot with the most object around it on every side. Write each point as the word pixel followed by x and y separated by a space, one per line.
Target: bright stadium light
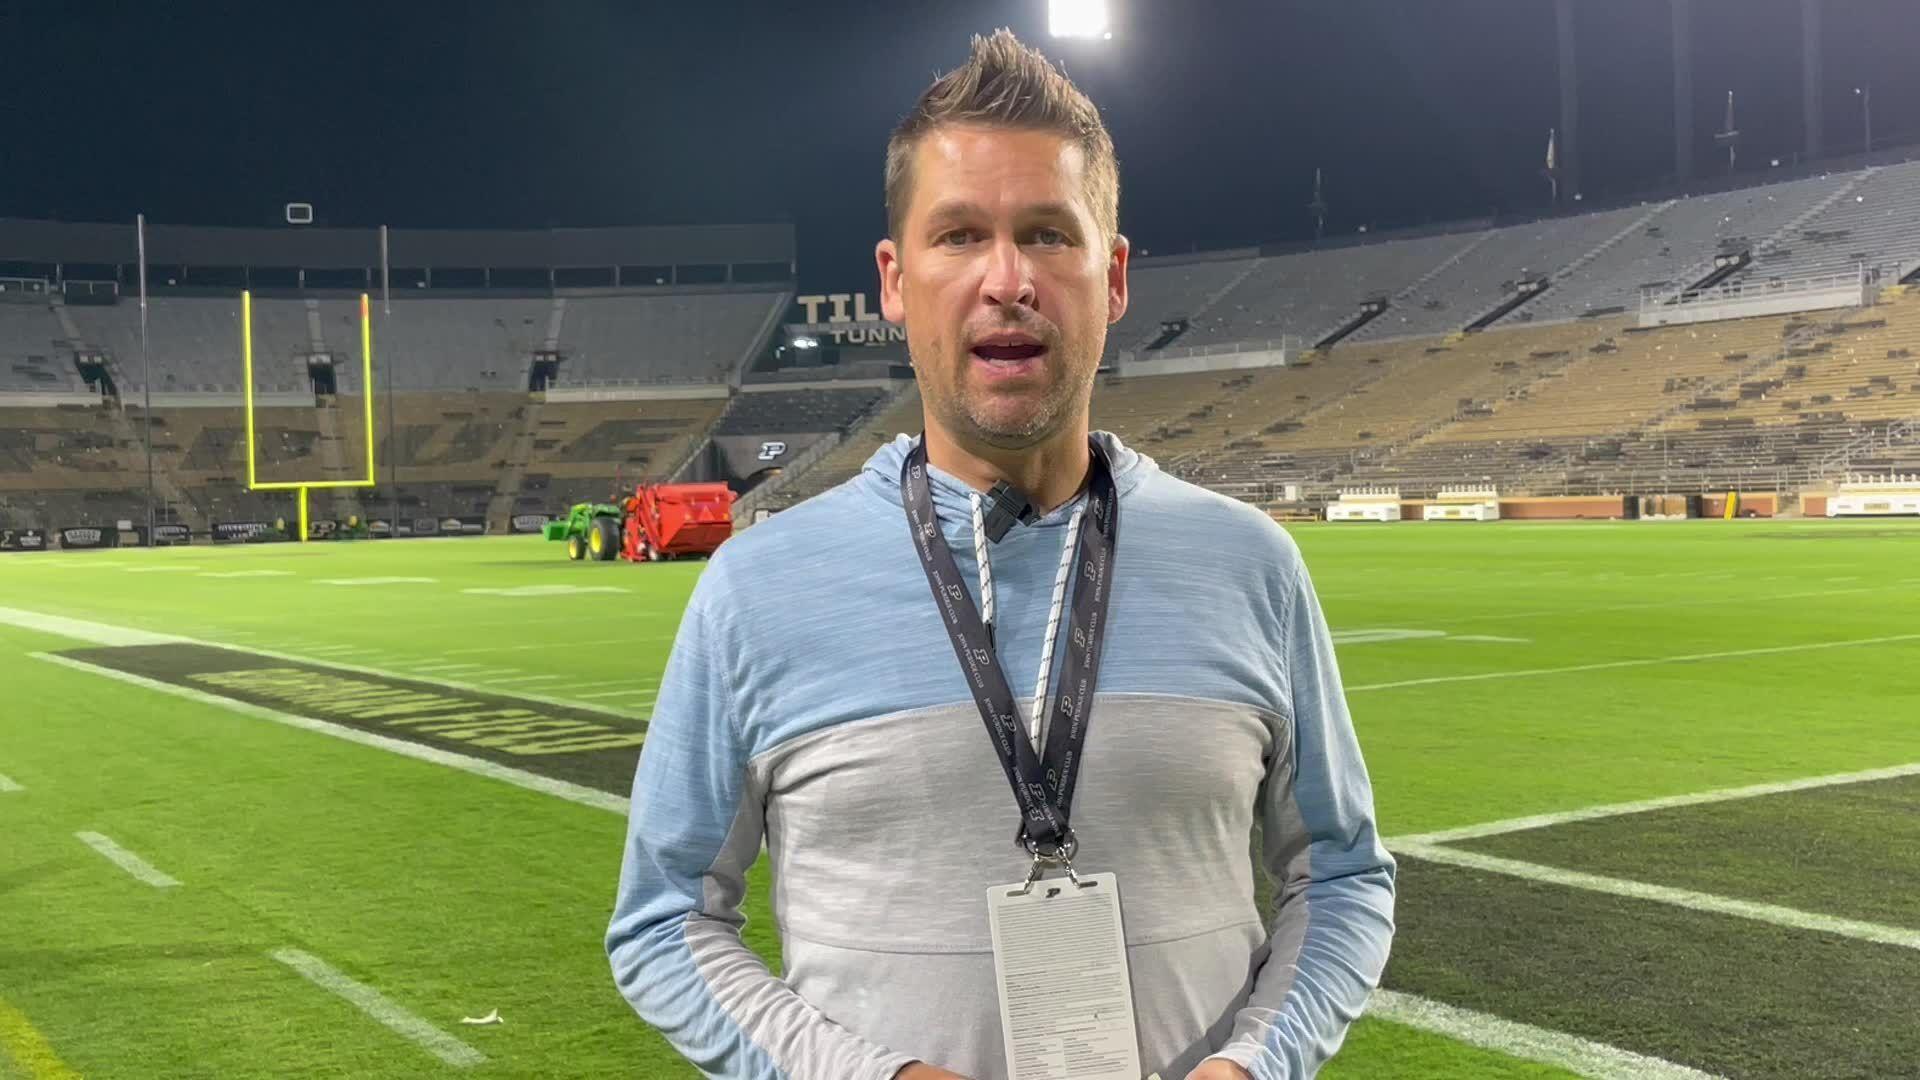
pixel 806 343
pixel 1077 18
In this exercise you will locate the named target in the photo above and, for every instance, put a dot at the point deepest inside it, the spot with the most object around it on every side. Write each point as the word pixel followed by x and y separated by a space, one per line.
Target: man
pixel 817 701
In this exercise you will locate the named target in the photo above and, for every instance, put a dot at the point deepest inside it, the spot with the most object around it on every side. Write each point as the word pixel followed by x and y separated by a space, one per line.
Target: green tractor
pixel 591 530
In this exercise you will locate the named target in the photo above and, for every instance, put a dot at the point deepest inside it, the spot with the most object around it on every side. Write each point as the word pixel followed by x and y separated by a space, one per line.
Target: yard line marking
pixel 448 668
pixel 378 581
pixel 528 678
pixel 158 569
pixel 1642 605
pixel 126 860
pixel 523 591
pixel 1609 665
pixel 1494 638
pixel 246 573
pixel 1665 894
pixel 9 784
pixel 327 649
pixel 512 648
pixel 650 694
pixel 385 1010
pixel 98 633
pixel 105 634
pixel 1664 802
pixel 1584 1057
pixel 585 796
pixel 22 1043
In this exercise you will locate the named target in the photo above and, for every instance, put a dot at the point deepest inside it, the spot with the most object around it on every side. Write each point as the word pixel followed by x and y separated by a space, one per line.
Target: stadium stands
pixel 32 353
pixel 844 460
pixel 781 412
pixel 1311 293
pixel 667 336
pixel 1675 248
pixel 1566 393
pixel 1871 223
pixel 1487 273
pixel 1172 290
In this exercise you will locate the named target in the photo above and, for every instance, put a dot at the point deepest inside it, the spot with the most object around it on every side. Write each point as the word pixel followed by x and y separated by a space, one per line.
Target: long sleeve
pixel 695 827
pixel 1334 880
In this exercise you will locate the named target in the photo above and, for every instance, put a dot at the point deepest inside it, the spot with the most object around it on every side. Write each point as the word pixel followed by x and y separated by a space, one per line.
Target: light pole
pixel 1865 94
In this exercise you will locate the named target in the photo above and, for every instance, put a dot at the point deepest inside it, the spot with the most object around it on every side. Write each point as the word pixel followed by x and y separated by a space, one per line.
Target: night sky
pixel 583 112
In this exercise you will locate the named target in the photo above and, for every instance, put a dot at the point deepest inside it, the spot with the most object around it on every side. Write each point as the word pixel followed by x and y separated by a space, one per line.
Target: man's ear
pixel 1117 279
pixel 893 303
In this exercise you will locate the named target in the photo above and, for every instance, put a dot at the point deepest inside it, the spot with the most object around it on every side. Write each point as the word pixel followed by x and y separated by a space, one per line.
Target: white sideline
pixel 1595 1060
pixel 1641 806
pixel 1645 662
pixel 1686 898
pixel 382 1008
pixel 9 784
pixel 127 860
pixel 106 634
pixel 585 796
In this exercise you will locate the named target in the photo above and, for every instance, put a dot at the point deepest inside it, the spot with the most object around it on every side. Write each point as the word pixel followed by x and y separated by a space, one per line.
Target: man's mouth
pixel 1008 349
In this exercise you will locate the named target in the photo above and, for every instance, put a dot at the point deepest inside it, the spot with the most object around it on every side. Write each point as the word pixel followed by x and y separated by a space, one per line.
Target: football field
pixel 307 810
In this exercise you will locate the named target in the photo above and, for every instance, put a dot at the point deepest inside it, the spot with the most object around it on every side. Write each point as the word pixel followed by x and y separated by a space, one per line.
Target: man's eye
pixel 956 238
pixel 1049 237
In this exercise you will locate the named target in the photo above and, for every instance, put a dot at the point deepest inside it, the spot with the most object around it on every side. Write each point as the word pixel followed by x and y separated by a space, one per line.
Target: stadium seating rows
pixel 1564 393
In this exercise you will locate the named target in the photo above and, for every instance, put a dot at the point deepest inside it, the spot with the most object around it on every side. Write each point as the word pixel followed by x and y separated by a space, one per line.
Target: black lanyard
pixel 1043 783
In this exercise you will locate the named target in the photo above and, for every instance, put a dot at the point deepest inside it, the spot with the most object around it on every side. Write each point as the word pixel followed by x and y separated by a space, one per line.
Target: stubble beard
pixel 968 412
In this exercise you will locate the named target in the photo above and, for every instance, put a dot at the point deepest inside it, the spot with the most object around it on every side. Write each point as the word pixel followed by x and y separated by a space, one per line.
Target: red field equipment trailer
pixel 667 521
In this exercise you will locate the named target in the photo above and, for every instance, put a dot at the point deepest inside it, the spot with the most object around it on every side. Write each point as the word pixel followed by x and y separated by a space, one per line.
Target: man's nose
pixel 1009 278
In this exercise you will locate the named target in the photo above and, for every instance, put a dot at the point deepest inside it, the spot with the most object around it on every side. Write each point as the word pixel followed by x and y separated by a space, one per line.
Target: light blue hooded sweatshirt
pixel 813 706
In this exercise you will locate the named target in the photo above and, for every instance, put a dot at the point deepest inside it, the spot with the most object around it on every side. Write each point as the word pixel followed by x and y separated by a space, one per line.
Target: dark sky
pixel 585 112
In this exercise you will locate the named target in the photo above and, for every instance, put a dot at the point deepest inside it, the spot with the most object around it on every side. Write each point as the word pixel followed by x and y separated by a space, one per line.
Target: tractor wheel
pixel 604 539
pixel 576 548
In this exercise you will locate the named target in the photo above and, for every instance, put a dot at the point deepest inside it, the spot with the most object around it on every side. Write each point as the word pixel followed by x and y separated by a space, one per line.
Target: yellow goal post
pixel 254 483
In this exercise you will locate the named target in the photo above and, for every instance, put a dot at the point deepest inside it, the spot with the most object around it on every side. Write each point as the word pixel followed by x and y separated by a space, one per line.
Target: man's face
pixel 1005 282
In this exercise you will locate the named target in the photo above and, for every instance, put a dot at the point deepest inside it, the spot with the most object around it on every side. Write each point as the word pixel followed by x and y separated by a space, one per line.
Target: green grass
pixel 455 894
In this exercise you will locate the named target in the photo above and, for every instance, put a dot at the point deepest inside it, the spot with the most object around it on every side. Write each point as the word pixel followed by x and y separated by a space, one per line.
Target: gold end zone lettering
pixel 496 723
pixel 611 741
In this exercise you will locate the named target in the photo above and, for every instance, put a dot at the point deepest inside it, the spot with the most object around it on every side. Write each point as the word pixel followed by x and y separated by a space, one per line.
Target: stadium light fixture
pixel 806 343
pixel 1078 19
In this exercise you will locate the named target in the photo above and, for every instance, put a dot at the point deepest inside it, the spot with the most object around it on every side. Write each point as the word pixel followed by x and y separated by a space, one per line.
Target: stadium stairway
pixel 506 493
pixel 166 488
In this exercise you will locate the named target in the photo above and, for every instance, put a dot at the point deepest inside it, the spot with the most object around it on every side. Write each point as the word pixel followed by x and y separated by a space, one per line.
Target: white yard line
pixel 1641 806
pixel 127 860
pixel 8 784
pixel 1595 1060
pixel 96 633
pixel 1686 898
pixel 378 581
pixel 513 648
pixel 527 679
pixel 448 668
pixel 585 796
pixel 105 634
pixel 381 1008
pixel 1609 665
